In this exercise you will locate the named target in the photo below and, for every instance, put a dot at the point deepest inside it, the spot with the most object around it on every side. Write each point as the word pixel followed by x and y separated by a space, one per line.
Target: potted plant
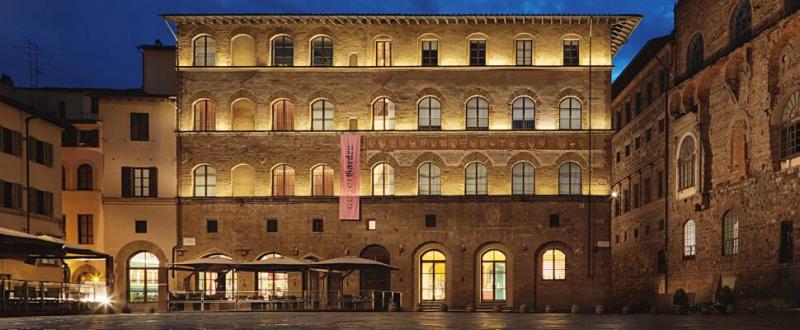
pixel 680 301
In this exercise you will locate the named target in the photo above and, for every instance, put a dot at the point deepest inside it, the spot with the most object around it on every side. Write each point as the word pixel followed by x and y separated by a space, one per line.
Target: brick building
pixel 485 175
pixel 732 179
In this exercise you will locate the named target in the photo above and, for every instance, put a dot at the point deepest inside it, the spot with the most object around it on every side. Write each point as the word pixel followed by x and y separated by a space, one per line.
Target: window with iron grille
pixel 272 225
pixel 430 53
pixel 317 225
pixel 686 161
pixel 85 229
pixel 571 52
pixel 689 239
pixel 730 234
pixel 140 226
pixel 790 132
pixel 477 52
pixel 212 226
pixel 283 51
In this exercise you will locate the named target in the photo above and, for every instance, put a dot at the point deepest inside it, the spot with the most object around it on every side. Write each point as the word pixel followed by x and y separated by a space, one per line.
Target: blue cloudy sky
pixel 92 43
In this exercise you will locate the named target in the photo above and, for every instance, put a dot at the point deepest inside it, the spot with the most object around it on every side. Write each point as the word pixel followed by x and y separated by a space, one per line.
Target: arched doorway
pixel 378 280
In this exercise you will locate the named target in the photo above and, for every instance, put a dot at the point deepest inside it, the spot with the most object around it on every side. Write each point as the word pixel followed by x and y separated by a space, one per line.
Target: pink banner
pixel 349 176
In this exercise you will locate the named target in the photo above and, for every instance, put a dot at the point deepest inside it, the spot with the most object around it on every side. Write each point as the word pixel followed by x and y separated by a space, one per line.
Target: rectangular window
pixel 618 156
pixel 627 150
pixel 140 126
pixel 646 192
pixel 661 262
pixel 89 138
pixel 430 53
pixel 626 200
pixel 10 195
pixel 649 93
pixel 141 226
pixel 316 225
pixel 638 103
pixel 383 53
pixel 661 125
pixel 430 221
pixel 212 226
pixel 636 195
pixel 786 251
pixel 637 142
pixel 40 202
pixel 660 183
pixel 272 225
pixel 10 141
pixel 477 52
pixel 664 77
pixel 555 220
pixel 571 52
pixel 139 182
pixel 648 135
pixel 85 229
pixel 95 106
pixel 40 152
pixel 628 112
pixel 524 52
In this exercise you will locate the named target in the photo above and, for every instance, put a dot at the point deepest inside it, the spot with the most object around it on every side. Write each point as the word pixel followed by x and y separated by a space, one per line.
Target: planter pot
pixel 575 309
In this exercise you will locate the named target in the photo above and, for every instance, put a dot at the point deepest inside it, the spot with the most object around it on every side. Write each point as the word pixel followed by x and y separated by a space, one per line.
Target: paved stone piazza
pixel 435 320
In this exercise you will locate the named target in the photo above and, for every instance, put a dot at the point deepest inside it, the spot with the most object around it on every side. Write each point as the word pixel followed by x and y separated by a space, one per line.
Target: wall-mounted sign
pixel 349 177
pixel 189 241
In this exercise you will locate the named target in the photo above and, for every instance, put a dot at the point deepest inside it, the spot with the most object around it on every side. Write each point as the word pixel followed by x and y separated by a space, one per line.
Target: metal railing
pixel 371 300
pixel 19 297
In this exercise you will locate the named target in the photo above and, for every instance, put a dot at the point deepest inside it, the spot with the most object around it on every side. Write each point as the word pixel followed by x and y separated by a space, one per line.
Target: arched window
pixel 322 51
pixel 205 181
pixel 382 180
pixel 433 267
pixel 283 115
pixel 493 276
pixel 243 50
pixel 383 114
pixel 143 278
pixel 282 51
pixel 322 181
pixel 271 285
pixel 430 180
pixel 322 115
pixel 522 179
pixel 205 51
pixel 694 55
pixel 523 113
pixel 741 24
pixel 730 234
pixel 283 180
pixel 243 115
pixel 570 113
pixel 430 114
pixel 475 182
pixel 212 283
pixel 790 130
pixel 477 113
pixel 569 179
pixel 204 115
pixel 686 160
pixel 689 239
pixel 243 180
pixel 554 265
pixel 85 177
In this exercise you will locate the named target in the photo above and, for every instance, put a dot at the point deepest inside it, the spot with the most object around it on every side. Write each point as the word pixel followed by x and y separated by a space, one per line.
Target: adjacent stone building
pixel 732 179
pixel 485 175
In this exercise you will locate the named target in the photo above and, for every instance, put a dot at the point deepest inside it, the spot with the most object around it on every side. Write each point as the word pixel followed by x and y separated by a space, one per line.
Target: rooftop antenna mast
pixel 34 69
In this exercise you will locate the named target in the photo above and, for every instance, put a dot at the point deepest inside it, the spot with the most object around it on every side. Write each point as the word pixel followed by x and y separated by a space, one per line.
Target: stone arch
pixel 200 95
pixel 429 156
pixel 478 270
pixel 736 72
pixel 384 92
pixel 243 114
pixel 212 252
pixel 322 94
pixel 571 157
pixel 524 156
pixel 85 268
pixel 479 92
pixel 523 92
pixel 571 92
pixel 376 279
pixel 738 145
pixel 416 261
pixel 243 49
pixel 279 94
pixel 782 54
pixel 123 256
pixel 429 91
pixel 242 93
pixel 382 157
pixel 280 31
pixel 321 31
pixel 476 156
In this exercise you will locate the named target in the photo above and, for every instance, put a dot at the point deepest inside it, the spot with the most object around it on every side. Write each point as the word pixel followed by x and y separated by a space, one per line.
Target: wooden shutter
pixel 127 182
pixel 48 154
pixel 17 197
pixel 144 126
pixel 153 182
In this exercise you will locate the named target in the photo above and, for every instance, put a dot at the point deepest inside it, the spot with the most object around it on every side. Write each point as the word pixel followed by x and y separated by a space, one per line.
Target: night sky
pixel 92 43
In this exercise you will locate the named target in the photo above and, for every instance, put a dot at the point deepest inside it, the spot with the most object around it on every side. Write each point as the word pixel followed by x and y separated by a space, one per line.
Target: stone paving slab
pixel 409 321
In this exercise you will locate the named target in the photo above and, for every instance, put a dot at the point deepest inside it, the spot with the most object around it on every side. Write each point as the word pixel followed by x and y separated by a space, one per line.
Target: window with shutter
pixel 127 182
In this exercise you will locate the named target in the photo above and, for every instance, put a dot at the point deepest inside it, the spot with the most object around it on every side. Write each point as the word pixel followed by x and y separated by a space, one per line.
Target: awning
pixel 281 264
pixel 351 263
pixel 21 246
pixel 75 249
pixel 210 264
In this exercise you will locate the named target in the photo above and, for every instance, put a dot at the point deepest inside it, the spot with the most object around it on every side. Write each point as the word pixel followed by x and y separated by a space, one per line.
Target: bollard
pixel 443 307
pixel 575 309
pixel 523 308
pixel 548 309
pixel 470 308
pixel 393 307
pixel 600 310
pixel 497 308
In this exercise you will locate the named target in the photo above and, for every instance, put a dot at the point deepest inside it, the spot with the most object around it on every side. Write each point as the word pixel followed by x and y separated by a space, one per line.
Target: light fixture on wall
pixel 401 249
pixel 295 250
pixel 463 248
pixel 614 194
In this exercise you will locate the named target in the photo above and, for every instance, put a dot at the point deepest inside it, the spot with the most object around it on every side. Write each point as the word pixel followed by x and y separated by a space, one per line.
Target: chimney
pixel 158 69
pixel 6 85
